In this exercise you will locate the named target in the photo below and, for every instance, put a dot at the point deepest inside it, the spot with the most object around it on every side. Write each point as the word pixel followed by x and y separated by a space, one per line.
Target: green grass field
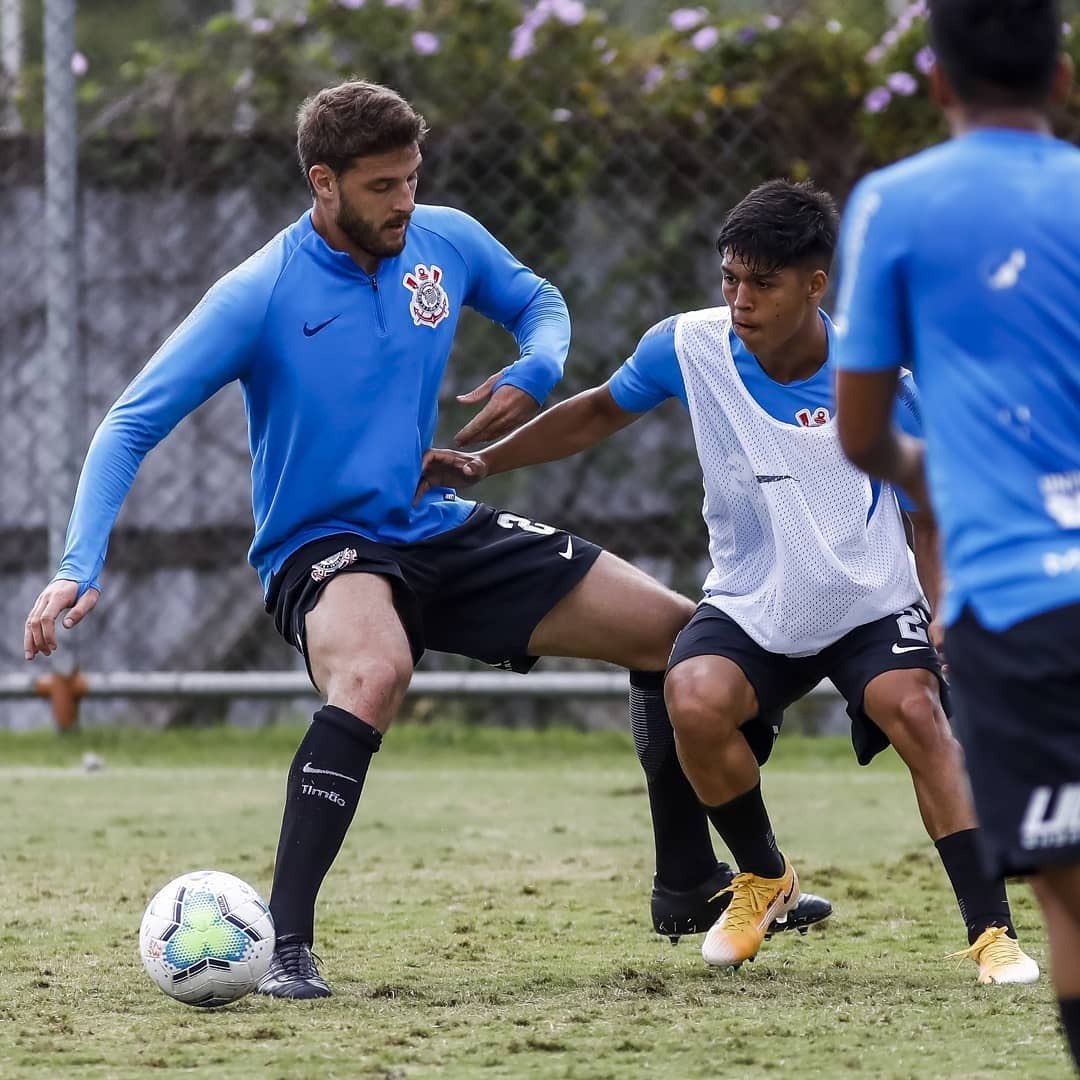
pixel 488 917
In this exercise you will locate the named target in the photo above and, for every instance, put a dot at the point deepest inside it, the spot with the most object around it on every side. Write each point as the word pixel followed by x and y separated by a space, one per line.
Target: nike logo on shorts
pixel 898 649
pixel 569 552
pixel 309 768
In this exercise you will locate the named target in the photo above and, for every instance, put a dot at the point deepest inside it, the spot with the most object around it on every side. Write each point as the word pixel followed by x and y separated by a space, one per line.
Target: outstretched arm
pixel 568 428
pixel 209 349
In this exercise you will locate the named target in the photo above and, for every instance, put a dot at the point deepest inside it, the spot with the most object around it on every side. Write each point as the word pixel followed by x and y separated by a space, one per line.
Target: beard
pixel 368 236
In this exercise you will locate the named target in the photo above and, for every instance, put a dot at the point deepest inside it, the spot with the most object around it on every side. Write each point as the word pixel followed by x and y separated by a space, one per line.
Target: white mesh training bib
pixel 798 559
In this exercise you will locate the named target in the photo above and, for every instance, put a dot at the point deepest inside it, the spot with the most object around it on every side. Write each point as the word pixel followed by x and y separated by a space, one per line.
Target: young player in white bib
pixel 811 574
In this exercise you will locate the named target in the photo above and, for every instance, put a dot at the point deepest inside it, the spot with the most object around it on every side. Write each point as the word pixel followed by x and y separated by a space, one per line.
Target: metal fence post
pixel 11 54
pixel 62 424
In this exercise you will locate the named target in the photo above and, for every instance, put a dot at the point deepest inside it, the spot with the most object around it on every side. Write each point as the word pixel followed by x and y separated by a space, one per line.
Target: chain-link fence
pixel 602 153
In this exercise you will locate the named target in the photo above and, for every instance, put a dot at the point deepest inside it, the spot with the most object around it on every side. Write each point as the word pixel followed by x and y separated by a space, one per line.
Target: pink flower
pixel 653 77
pixel 606 58
pixel 79 65
pixel 924 59
pixel 902 83
pixel 875 55
pixel 834 26
pixel 877 100
pixel 352 5
pixel 568 12
pixel 425 43
pixel 772 22
pixel 522 43
pixel 408 5
pixel 705 38
pixel 683 19
pixel 262 25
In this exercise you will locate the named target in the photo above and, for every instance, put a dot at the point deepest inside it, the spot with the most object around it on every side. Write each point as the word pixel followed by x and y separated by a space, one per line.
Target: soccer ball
pixel 207 938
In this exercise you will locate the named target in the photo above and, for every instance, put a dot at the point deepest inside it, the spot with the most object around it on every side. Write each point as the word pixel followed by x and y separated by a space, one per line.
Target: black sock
pixel 324 785
pixel 743 824
pixel 684 851
pixel 981 898
pixel 1070 1022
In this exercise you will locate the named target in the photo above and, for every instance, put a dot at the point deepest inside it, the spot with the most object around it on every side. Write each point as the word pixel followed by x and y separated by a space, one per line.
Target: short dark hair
pixel 997 52
pixel 351 120
pixel 781 223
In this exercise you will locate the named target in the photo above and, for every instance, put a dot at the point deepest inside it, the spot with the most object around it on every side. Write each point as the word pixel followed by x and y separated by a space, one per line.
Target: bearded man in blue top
pixel 338 332
pixel 963 264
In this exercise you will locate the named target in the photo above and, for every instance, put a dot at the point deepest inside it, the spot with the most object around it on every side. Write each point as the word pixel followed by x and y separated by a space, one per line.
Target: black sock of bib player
pixel 981 899
pixel 1070 1022
pixel 684 851
pixel 743 824
pixel 324 785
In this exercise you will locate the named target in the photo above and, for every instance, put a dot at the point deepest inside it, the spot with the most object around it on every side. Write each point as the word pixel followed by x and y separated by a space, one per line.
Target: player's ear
pixel 818 286
pixel 321 178
pixel 1063 79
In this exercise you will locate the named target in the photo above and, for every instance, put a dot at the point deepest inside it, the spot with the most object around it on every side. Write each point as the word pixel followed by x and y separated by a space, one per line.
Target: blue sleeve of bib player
pixel 652 374
pixel 210 348
pixel 872 324
pixel 527 305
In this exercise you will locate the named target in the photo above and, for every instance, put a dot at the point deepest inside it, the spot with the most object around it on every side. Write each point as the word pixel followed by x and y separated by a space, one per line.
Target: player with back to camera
pixel 338 331
pixel 811 576
pixel 963 263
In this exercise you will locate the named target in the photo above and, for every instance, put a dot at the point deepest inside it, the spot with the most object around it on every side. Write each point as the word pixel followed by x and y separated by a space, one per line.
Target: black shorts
pixel 477 590
pixel 893 643
pixel 1018 718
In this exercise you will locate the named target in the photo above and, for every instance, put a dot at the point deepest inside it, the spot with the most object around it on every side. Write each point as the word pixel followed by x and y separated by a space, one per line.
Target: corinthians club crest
pixel 430 304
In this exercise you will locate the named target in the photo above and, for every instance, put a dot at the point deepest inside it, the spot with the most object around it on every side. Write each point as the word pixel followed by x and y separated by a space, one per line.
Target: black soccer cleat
pixel 293 973
pixel 677 913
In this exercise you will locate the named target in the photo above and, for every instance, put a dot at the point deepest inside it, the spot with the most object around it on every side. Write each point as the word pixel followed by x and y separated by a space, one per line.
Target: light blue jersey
pixel 340 371
pixel 652 375
pixel 963 263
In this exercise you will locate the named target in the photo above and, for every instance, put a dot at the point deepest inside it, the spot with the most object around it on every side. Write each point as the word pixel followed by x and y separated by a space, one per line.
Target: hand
pixel 449 468
pixel 40 633
pixel 506 409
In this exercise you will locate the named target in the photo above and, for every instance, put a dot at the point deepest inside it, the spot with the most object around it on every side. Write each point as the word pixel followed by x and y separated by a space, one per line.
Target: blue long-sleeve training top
pixel 340 372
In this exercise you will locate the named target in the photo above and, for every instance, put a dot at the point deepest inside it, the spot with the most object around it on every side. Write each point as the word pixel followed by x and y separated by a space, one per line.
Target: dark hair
pixel 354 119
pixel 779 224
pixel 997 52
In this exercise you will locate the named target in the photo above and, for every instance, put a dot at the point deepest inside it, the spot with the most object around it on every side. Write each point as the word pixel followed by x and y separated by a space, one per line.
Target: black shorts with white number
pixel 1018 718
pixel 893 643
pixel 478 590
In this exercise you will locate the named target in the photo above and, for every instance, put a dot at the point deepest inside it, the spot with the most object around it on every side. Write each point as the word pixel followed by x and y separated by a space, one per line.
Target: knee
pixel 914 720
pixel 704 706
pixel 370 687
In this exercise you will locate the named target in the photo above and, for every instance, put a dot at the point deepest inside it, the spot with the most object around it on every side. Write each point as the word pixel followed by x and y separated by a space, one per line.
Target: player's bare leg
pixel 623 616
pixel 616 613
pixel 1058 892
pixel 357 648
pixel 361 661
pixel 906 705
pixel 709 699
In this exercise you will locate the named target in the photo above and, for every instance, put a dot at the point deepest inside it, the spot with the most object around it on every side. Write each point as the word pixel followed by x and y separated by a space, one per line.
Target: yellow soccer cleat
pixel 756 902
pixel 999 958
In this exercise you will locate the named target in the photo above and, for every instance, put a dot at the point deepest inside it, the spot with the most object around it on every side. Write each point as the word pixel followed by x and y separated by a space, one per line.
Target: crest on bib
pixel 430 304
